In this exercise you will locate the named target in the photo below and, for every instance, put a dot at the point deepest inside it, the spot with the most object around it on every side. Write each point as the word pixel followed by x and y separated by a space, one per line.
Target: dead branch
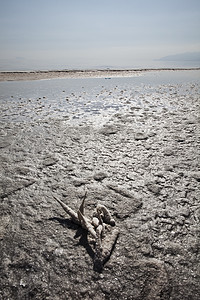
pixel 104 241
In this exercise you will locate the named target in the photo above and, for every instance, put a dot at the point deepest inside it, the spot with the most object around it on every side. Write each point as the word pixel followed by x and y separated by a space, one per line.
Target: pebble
pixel 109 129
pixel 140 136
pixel 154 187
pixel 99 176
pixel 168 152
pixel 49 161
pixel 79 182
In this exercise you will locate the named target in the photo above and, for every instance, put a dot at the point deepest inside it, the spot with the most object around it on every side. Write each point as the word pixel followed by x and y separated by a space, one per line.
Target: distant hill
pixel 188 56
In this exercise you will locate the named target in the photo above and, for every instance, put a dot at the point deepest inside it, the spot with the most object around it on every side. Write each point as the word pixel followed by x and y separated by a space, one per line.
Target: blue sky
pixel 90 33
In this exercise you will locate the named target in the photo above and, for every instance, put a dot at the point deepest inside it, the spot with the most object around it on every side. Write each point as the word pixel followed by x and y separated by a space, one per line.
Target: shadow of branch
pixel 80 232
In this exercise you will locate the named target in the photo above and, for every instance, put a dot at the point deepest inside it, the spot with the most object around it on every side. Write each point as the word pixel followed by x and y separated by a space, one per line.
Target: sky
pixel 43 34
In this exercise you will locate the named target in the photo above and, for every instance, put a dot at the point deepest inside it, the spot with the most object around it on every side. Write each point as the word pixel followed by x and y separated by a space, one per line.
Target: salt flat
pixel 139 157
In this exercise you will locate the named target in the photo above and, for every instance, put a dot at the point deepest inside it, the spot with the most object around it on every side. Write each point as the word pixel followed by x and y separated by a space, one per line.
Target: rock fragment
pixel 140 136
pixel 153 187
pixel 49 161
pixel 99 176
pixel 109 129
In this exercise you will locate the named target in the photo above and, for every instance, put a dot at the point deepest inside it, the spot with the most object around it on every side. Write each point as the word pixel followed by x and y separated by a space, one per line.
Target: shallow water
pixel 93 99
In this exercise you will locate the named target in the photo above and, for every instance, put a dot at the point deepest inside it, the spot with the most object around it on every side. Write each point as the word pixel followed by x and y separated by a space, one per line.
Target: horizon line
pixel 101 69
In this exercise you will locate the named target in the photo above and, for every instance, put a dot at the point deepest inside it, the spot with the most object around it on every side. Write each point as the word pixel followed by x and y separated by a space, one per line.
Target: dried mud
pixel 143 165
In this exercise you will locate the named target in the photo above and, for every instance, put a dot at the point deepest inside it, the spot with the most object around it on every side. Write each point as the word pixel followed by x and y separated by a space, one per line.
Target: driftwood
pixel 99 227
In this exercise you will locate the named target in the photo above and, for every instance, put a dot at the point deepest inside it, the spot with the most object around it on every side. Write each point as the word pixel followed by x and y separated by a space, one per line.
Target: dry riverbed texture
pixel 142 164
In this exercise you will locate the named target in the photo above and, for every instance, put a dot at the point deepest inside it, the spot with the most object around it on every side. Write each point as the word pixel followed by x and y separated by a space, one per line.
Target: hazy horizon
pixel 90 34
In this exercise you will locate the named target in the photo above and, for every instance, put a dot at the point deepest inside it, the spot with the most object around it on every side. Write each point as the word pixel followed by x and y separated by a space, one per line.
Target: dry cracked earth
pixel 143 165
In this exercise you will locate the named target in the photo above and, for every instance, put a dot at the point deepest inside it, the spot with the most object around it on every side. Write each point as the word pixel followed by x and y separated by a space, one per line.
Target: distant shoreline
pixel 54 74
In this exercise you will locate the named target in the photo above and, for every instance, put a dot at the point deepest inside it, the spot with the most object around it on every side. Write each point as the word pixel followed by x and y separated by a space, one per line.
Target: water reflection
pixel 86 99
